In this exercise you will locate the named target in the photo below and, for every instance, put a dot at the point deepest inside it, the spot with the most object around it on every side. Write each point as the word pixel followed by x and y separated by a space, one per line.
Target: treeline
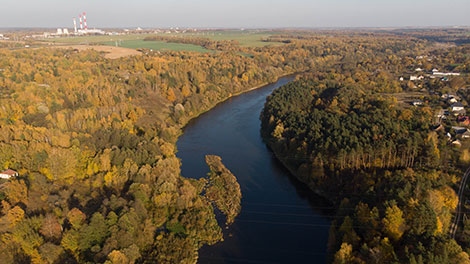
pixel 337 124
pixel 342 131
pixel 204 42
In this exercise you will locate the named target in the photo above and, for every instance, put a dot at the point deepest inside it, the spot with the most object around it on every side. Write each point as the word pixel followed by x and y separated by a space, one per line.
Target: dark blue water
pixel 280 221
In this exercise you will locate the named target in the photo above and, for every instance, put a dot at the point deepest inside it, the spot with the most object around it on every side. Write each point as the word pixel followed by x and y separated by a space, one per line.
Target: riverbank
pixel 279 214
pixel 231 96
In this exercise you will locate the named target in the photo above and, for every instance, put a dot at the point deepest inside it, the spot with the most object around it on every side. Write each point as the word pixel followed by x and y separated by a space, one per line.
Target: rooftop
pixel 9 172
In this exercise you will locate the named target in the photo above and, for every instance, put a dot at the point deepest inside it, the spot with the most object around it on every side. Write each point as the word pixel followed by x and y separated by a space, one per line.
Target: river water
pixel 281 220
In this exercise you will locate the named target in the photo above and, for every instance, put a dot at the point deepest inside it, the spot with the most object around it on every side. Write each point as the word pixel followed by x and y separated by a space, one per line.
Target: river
pixel 281 220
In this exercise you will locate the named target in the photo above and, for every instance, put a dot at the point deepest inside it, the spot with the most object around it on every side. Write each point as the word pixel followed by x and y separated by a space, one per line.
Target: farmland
pixel 156 45
pixel 246 39
pixel 96 39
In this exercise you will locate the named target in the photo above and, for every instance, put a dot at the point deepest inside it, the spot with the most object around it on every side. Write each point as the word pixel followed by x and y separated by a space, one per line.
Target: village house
pixel 417 103
pixel 457 143
pixel 460 112
pixel 466 134
pixel 459 130
pixel 446 96
pixel 439 127
pixel 416 78
pixel 442 113
pixel 457 107
pixel 7 174
pixel 463 120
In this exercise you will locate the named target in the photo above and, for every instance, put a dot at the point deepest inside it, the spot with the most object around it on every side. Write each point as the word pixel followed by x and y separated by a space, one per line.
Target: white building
pixel 7 174
pixel 436 73
pixel 457 107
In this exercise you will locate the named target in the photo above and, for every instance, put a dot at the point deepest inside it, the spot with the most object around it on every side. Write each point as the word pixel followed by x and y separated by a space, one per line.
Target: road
pixel 458 213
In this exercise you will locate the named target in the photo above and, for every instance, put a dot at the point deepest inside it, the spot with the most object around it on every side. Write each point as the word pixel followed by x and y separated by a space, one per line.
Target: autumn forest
pixel 93 141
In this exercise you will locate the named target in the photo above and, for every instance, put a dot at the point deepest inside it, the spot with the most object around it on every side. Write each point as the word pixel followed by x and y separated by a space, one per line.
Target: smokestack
pixel 81 24
pixel 75 25
pixel 84 21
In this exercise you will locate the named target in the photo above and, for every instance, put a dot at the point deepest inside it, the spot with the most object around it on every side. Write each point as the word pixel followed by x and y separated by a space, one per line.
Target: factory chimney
pixel 75 25
pixel 81 24
pixel 84 21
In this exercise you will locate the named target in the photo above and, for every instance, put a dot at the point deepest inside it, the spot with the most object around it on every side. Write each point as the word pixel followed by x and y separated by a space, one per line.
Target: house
pixel 442 113
pixel 459 130
pixel 457 143
pixel 418 69
pixel 417 103
pixel 413 78
pixel 440 127
pixel 448 96
pixel 402 79
pixel 437 73
pixel 466 134
pixel 452 100
pixel 460 112
pixel 457 107
pixel 463 120
pixel 7 174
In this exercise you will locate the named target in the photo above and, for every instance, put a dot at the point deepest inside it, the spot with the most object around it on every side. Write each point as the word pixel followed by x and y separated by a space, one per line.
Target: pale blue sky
pixel 236 13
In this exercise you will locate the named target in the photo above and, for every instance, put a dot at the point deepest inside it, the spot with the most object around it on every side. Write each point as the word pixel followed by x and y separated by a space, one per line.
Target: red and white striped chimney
pixel 81 24
pixel 84 21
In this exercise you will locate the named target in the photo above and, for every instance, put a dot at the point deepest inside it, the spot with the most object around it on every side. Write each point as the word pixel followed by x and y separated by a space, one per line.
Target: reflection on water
pixel 281 220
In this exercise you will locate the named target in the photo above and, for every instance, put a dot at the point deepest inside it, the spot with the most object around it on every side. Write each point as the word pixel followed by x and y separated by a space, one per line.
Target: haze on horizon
pixel 236 14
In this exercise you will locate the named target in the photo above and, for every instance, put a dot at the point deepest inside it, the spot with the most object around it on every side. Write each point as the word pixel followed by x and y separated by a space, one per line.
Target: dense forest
pixel 93 140
pixel 347 133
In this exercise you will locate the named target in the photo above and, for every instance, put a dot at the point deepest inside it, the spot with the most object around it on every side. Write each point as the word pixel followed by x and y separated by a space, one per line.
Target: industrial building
pixel 83 30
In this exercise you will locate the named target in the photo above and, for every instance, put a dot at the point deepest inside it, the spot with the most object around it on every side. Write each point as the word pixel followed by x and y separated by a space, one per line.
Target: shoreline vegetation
pixel 223 189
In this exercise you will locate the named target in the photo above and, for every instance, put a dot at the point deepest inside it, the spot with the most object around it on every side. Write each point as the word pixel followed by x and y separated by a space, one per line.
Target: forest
pixel 345 128
pixel 93 140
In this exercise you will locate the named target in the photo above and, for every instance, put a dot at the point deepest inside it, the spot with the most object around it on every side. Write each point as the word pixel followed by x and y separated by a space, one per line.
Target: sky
pixel 236 13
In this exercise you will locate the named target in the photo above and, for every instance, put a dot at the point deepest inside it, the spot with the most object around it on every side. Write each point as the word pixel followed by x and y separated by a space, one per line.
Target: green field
pixel 245 38
pixel 97 39
pixel 156 45
pixel 248 38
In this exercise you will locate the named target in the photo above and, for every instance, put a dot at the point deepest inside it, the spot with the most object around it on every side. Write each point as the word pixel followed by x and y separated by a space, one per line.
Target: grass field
pixel 157 45
pixel 245 38
pixel 248 38
pixel 97 39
